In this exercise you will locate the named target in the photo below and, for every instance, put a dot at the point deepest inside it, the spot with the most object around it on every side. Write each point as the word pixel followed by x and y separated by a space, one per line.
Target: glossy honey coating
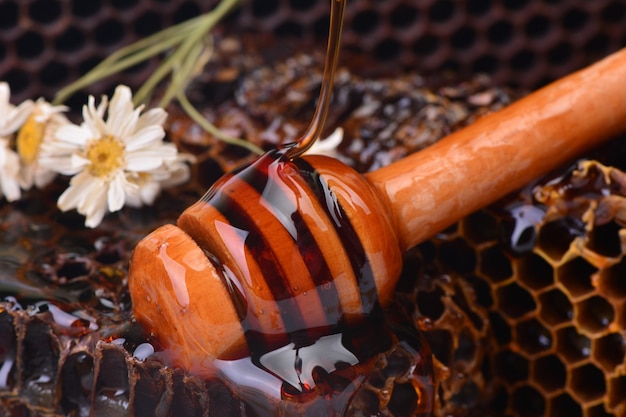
pixel 277 248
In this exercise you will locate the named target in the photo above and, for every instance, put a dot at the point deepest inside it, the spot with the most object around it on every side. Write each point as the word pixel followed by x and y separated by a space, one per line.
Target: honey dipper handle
pixel 499 153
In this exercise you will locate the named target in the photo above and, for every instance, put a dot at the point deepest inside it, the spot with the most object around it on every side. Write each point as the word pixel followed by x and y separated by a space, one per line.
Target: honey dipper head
pixel 279 248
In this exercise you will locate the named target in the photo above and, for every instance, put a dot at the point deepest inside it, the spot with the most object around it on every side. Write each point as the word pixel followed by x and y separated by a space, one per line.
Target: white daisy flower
pixel 150 184
pixel 327 146
pixel 107 156
pixel 39 128
pixel 11 118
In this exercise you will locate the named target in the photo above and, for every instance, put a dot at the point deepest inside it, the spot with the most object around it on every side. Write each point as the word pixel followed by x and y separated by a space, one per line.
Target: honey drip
pixel 332 56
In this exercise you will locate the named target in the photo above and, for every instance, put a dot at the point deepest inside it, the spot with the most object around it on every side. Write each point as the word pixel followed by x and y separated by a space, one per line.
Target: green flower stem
pixel 187 43
pixel 197 117
pixel 128 56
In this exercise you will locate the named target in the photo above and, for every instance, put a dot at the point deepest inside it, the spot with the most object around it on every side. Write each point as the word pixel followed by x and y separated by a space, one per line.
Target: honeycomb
pixel 540 280
pixel 44 44
pixel 522 303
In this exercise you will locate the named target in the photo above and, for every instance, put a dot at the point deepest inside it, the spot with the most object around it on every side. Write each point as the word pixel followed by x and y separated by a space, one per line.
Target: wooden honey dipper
pixel 288 243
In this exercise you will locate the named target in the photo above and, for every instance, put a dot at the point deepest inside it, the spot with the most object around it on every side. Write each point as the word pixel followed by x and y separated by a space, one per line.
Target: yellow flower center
pixel 106 156
pixel 29 139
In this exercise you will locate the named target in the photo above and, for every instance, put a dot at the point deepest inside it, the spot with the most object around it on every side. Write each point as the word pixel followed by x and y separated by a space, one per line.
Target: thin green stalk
pixel 151 46
pixel 126 58
pixel 197 117
pixel 184 73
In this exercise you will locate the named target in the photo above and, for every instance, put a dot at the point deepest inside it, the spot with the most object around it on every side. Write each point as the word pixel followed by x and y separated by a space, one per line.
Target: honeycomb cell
pixel 302 5
pixel 555 307
pixel 458 255
pixel 8 352
pixel 613 12
pixel 515 5
pixel 538 27
pixel 430 304
pixel 77 374
pixel 560 54
pixel 588 383
pixel 264 8
pixel 572 346
pixel 494 265
pixel 147 24
pixel 82 9
pixel 387 50
pixel 528 402
pixel 617 392
pixel 466 349
pixel 555 237
pixel 188 10
pixel 109 32
pixel 564 406
pixel 501 329
pixel 9 14
pixel 511 366
pixel 29 45
pixel 500 33
pixel 403 399
pixel 288 29
pixel 534 272
pixel 575 275
pixel 54 74
pixel 426 45
pixel 440 342
pixel 403 16
pixel 514 301
pixel 523 61
pixel 125 5
pixel 487 64
pixel 112 389
pixel 609 351
pixel 41 361
pixel 575 20
pixel 549 373
pixel 480 227
pixel 464 38
pixel 45 11
pixel 598 45
pixel 18 79
pixel 598 411
pixel 594 314
pixel 478 7
pixel 441 11
pixel 532 337
pixel 365 22
pixel 70 40
pixel 612 282
pixel 482 290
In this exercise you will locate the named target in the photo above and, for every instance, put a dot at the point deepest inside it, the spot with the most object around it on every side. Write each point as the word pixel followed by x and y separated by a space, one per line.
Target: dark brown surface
pixel 44 44
pixel 522 303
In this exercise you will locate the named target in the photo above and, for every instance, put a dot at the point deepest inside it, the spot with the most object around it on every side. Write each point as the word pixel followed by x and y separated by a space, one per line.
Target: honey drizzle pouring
pixel 314 129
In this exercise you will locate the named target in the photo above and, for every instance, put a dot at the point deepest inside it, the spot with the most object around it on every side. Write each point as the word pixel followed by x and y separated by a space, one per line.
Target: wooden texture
pixel 501 152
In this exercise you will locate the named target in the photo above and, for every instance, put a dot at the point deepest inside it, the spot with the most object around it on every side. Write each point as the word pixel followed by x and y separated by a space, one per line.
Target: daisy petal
pixel 155 116
pixel 115 194
pixel 145 137
pixel 75 194
pixel 72 134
